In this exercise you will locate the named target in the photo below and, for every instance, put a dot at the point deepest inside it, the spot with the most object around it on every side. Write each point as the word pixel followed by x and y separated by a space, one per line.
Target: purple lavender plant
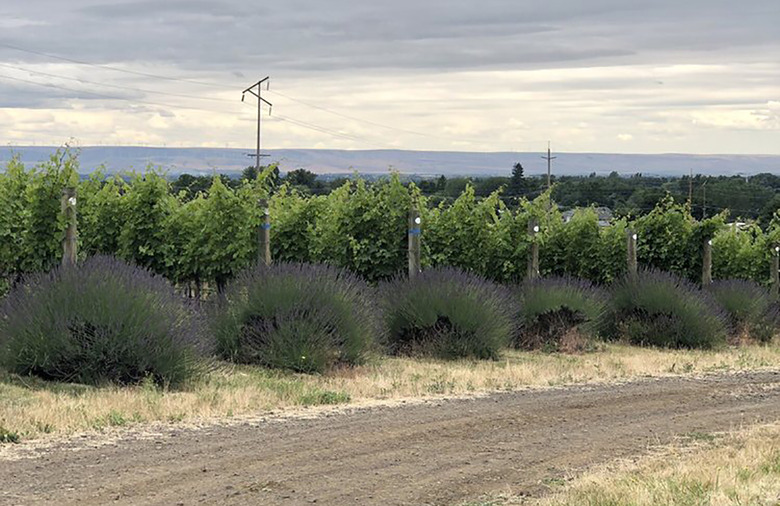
pixel 303 317
pixel 99 321
pixel 447 313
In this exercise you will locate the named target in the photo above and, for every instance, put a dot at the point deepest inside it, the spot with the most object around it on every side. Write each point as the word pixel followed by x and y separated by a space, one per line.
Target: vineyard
pixel 360 226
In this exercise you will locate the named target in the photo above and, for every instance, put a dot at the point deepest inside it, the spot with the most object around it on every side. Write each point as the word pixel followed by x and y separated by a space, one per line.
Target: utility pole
pixel 70 241
pixel 549 159
pixel 690 191
pixel 704 200
pixel 260 100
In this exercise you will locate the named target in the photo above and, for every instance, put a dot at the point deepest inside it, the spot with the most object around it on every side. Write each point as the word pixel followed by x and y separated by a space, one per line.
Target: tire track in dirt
pixel 435 453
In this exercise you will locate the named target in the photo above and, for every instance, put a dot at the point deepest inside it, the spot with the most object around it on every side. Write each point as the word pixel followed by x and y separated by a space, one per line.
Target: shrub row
pixel 360 226
pixel 103 320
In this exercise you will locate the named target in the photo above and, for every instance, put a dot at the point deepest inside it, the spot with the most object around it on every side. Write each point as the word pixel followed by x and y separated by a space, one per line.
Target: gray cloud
pixel 301 35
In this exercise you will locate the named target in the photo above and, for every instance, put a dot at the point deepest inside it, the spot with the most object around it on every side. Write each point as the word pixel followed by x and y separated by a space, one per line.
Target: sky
pixel 611 76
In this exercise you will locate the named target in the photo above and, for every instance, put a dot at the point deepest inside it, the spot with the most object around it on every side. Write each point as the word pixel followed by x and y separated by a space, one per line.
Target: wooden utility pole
pixel 533 253
pixel 775 271
pixel 415 230
pixel 264 234
pixel 706 268
pixel 633 266
pixel 690 191
pixel 260 101
pixel 70 241
pixel 549 159
pixel 704 200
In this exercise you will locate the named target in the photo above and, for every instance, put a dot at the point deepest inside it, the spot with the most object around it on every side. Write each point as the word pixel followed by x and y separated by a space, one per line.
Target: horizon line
pixel 214 148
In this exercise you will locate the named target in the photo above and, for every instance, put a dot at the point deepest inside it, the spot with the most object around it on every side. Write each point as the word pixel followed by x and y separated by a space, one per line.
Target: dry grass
pixel 740 468
pixel 30 408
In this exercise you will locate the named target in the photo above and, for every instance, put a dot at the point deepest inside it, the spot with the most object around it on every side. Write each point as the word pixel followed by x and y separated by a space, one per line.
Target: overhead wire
pixel 110 67
pixel 192 81
pixel 353 118
pixel 157 76
pixel 284 118
pixel 118 86
pixel 104 96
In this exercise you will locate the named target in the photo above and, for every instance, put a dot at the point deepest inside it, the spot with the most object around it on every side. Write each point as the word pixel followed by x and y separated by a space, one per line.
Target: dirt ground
pixel 435 452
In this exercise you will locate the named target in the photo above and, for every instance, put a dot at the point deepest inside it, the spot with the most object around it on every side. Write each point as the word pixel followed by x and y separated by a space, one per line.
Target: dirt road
pixel 440 452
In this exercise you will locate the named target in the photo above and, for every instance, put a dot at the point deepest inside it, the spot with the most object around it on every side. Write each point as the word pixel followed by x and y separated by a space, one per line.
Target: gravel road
pixel 435 452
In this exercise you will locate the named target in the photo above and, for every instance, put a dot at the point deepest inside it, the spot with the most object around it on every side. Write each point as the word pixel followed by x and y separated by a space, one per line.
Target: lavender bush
pixel 662 309
pixel 303 317
pixel 99 321
pixel 552 308
pixel 749 306
pixel 447 313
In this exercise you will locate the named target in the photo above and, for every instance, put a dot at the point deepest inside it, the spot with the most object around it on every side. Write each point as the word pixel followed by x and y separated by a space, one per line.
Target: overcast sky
pixel 625 76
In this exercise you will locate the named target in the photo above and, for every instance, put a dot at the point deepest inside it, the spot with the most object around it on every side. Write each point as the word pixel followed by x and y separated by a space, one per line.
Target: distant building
pixel 604 214
pixel 739 225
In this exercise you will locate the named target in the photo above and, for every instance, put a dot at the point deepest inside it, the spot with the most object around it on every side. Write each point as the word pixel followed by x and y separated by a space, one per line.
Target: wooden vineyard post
pixel 632 264
pixel 533 252
pixel 775 271
pixel 264 234
pixel 70 241
pixel 706 268
pixel 414 243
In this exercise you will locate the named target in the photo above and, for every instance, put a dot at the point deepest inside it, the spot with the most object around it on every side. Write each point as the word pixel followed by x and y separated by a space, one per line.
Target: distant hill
pixel 450 163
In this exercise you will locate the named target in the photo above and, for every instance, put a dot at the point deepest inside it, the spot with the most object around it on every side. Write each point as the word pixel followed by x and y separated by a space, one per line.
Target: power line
pixel 202 83
pixel 318 128
pixel 353 118
pixel 157 76
pixel 299 123
pixel 109 67
pixel 129 88
pixel 108 97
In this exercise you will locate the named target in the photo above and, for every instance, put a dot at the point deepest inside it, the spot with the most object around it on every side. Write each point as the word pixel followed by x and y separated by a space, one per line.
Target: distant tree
pixel 517 183
pixel 427 186
pixel 191 185
pixel 455 186
pixel 301 177
pixel 441 183
pixel 487 185
pixel 518 174
pixel 768 211
pixel 249 174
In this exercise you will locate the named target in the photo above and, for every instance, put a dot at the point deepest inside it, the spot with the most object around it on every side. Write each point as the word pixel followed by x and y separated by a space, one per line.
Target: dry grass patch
pixel 30 408
pixel 741 468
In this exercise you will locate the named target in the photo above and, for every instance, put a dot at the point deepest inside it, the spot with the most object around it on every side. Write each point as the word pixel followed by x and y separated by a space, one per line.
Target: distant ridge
pixel 450 163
